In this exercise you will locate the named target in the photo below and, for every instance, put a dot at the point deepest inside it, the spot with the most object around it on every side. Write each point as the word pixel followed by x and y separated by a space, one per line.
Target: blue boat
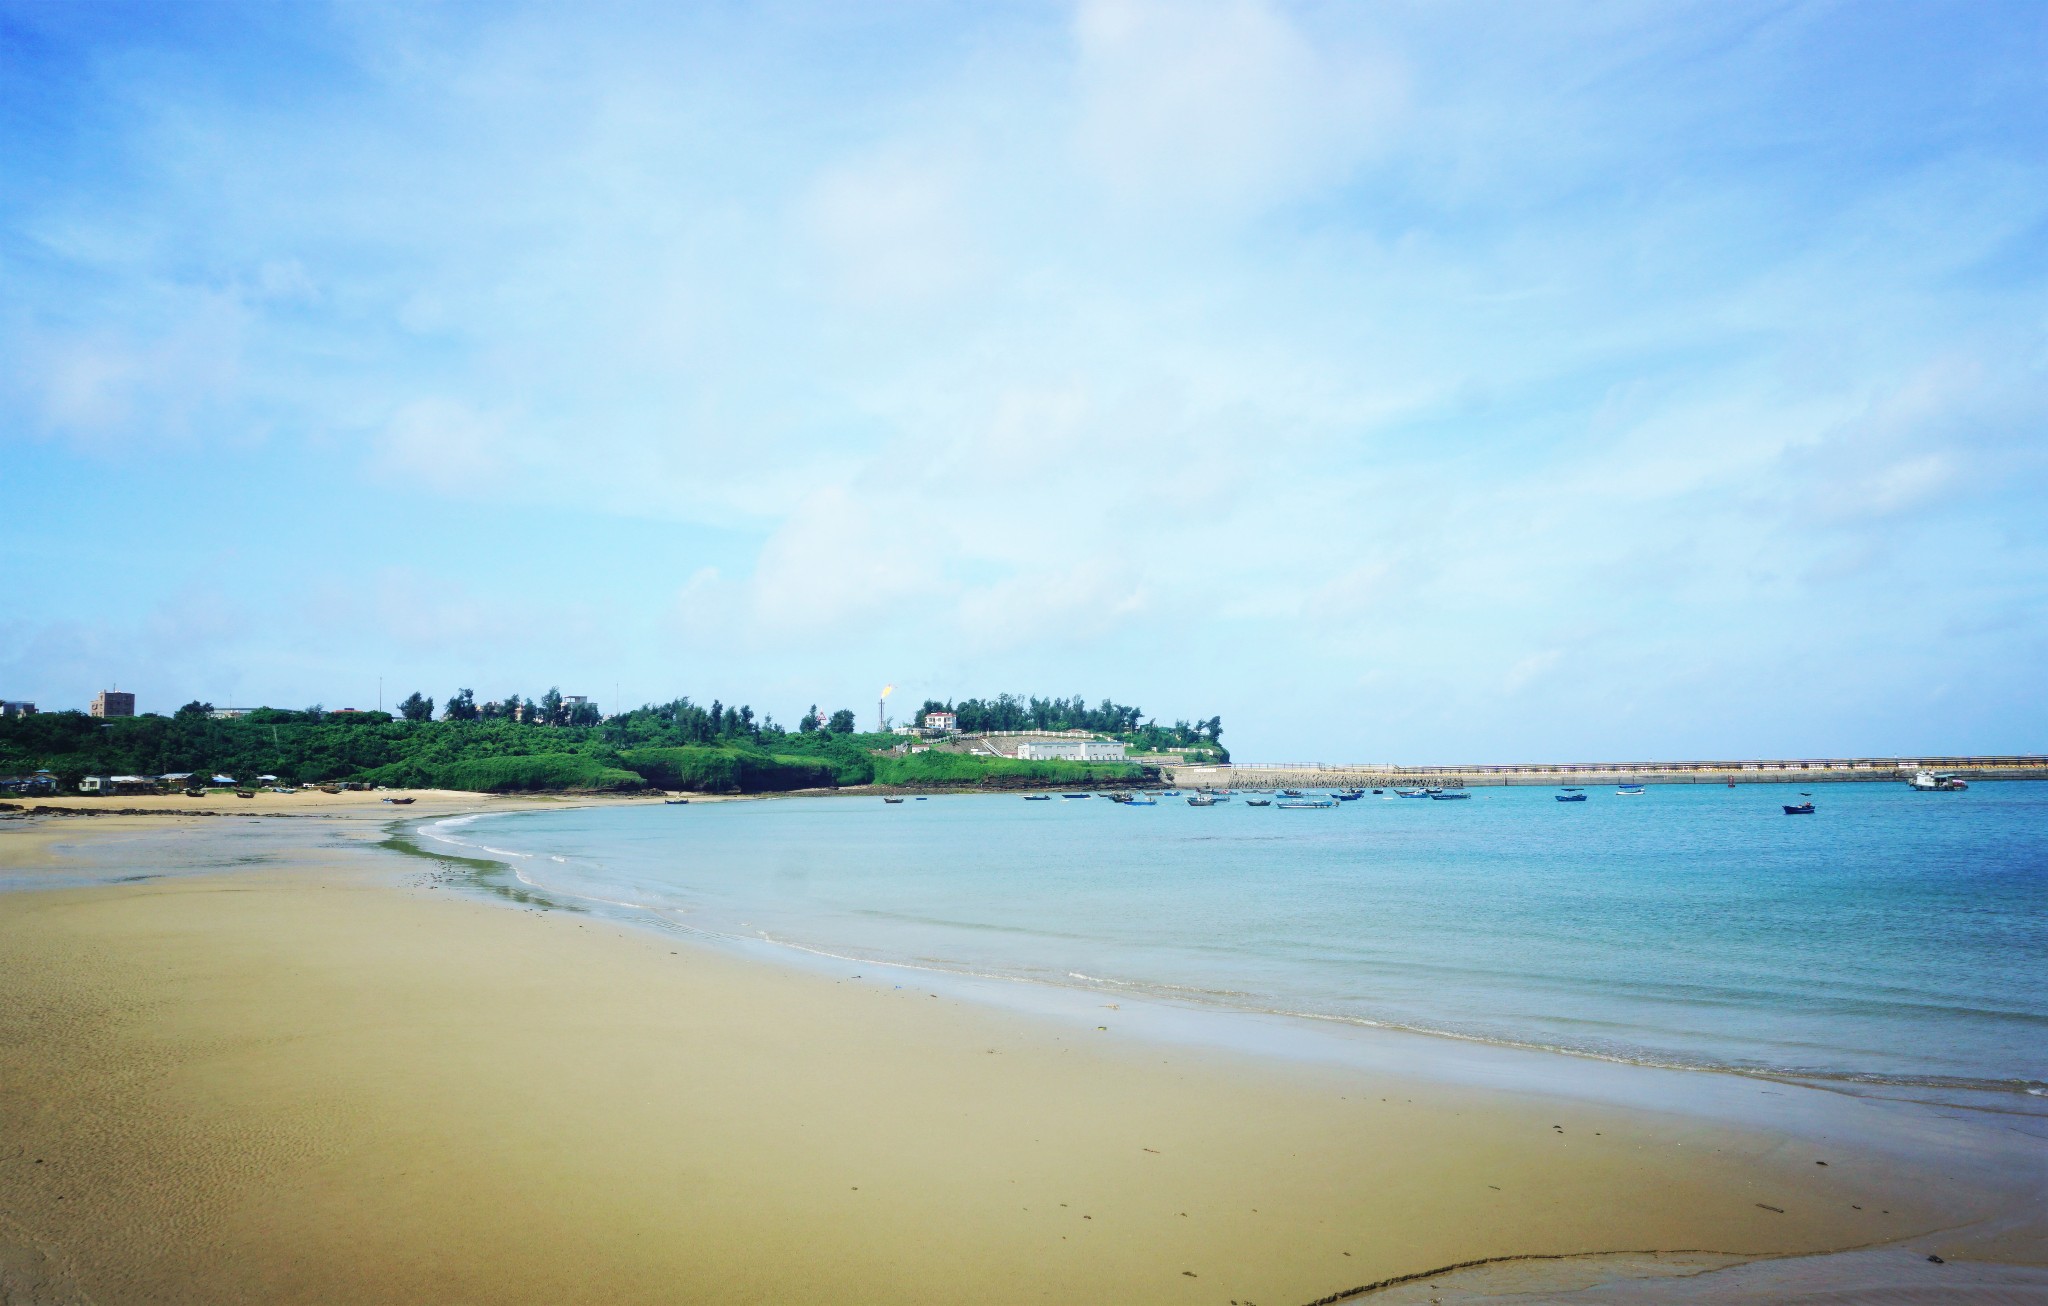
pixel 1446 795
pixel 1570 798
pixel 1309 802
pixel 1798 809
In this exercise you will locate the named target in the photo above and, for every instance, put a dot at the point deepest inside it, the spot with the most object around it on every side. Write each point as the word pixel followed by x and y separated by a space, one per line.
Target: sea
pixel 1891 940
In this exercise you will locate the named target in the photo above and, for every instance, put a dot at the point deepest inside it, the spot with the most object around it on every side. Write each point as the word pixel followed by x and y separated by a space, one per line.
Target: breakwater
pixel 1305 775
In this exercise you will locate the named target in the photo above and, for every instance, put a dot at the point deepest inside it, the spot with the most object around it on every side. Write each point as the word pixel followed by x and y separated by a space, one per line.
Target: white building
pixel 1071 750
pixel 946 721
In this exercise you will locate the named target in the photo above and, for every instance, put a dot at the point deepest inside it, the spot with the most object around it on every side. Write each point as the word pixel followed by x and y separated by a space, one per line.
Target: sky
pixel 1403 382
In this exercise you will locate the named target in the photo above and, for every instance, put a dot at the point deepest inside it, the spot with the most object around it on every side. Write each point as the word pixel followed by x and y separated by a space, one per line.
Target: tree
pixel 808 723
pixel 551 707
pixel 1212 729
pixel 717 717
pixel 513 707
pixel 841 722
pixel 585 714
pixel 195 708
pixel 461 707
pixel 416 708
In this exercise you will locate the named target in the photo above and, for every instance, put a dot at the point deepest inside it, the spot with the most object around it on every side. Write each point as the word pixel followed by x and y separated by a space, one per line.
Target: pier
pixel 1817 770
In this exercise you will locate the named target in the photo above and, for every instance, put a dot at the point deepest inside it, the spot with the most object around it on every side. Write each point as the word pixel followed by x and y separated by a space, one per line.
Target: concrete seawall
pixel 1808 771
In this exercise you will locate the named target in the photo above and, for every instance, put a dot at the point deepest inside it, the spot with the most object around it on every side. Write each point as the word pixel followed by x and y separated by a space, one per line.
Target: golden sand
pixel 318 1084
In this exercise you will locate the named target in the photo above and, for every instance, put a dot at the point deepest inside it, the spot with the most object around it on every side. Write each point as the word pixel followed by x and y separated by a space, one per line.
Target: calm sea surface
pixel 1892 938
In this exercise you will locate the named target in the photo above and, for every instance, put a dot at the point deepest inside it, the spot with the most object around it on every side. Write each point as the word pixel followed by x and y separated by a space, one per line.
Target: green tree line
pixel 677 745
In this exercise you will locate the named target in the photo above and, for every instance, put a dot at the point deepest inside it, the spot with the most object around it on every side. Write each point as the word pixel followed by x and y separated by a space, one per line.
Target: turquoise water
pixel 1891 938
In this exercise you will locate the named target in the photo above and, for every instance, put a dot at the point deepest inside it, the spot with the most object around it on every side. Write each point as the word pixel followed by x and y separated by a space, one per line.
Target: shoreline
pixel 1879 1116
pixel 1255 1125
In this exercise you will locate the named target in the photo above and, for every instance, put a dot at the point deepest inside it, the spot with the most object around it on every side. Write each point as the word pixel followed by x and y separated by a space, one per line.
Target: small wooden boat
pixel 330 789
pixel 1412 793
pixel 195 793
pixel 1630 791
pixel 1077 795
pixel 1292 793
pixel 675 802
pixel 398 802
pixel 1309 802
pixel 1447 795
pixel 245 793
pixel 1141 800
pixel 892 800
pixel 1202 800
pixel 1258 802
pixel 1798 809
pixel 1569 798
pixel 1037 798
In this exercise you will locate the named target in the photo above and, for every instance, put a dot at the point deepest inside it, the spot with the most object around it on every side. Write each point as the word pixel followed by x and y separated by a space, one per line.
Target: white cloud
pixel 1227 103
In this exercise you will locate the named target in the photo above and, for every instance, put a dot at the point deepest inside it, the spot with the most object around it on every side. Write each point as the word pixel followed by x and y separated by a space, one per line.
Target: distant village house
pixel 112 702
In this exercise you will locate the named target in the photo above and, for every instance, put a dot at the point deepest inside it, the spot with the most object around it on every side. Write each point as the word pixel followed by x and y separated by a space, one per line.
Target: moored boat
pixel 1446 795
pixel 1258 802
pixel 1037 798
pixel 1798 809
pixel 1308 802
pixel 1929 782
pixel 1629 791
pixel 1569 798
pixel 892 800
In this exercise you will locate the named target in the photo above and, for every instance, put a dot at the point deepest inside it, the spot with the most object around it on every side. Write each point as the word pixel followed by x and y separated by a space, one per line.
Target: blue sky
pixel 1406 382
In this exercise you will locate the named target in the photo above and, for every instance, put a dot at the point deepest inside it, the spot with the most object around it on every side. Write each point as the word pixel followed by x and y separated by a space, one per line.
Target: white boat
pixel 1630 791
pixel 1929 782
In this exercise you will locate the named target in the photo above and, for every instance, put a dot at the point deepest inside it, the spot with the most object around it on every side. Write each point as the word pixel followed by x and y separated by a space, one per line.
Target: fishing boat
pixel 1412 793
pixel 1348 795
pixel 245 793
pixel 1446 795
pixel 1077 795
pixel 1630 791
pixel 1291 793
pixel 1258 802
pixel 1379 791
pixel 892 800
pixel 398 802
pixel 1202 800
pixel 1569 798
pixel 1309 802
pixel 1037 798
pixel 1140 800
pixel 1571 789
pixel 1929 782
pixel 1798 809
pixel 675 802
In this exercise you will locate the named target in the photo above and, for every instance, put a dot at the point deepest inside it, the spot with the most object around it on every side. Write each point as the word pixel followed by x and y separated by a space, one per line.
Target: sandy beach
pixel 321 1074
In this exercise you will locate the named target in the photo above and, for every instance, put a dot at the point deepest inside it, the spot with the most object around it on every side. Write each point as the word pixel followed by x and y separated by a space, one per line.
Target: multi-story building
pixel 946 721
pixel 13 707
pixel 112 702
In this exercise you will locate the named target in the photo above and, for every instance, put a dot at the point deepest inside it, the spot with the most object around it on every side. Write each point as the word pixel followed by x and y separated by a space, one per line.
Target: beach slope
pixel 331 1082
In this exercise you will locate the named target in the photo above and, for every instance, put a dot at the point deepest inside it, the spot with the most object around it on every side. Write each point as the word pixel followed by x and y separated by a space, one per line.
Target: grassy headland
pixel 673 746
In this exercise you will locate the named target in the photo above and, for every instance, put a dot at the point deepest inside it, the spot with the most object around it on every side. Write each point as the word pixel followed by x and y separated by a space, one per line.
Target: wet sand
pixel 323 1078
